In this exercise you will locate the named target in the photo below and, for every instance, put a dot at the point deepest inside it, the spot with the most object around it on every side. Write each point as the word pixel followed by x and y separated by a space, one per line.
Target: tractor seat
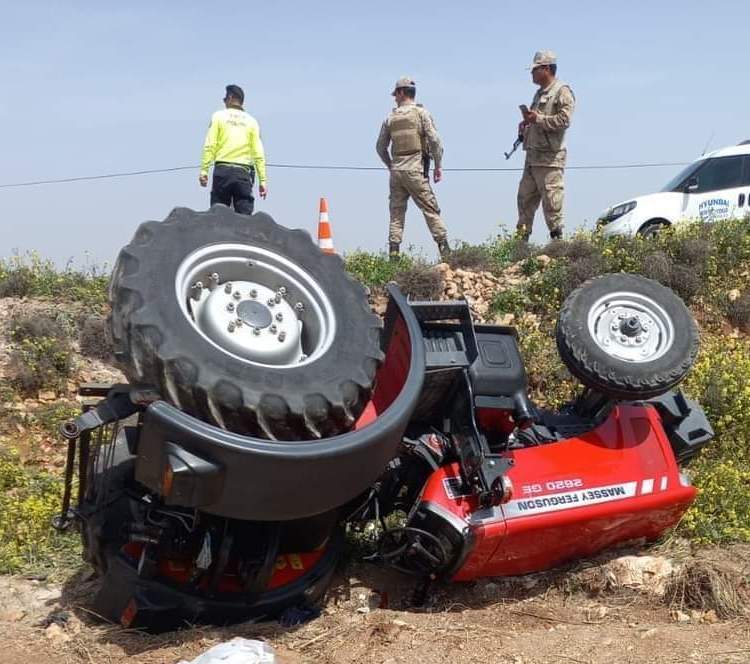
pixel 498 376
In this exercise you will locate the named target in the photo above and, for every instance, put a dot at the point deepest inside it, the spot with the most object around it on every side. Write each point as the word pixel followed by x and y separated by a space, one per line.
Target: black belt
pixel 244 167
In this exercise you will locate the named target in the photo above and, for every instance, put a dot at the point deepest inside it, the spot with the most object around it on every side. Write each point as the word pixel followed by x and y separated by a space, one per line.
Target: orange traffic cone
pixel 325 241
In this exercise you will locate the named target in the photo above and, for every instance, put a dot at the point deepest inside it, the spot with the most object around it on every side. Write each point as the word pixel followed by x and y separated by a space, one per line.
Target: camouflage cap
pixel 404 82
pixel 543 58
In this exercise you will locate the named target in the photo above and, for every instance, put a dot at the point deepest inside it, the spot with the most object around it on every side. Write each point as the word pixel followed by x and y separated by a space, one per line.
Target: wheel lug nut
pixel 282 290
pixel 256 331
pixel 279 317
pixel 271 302
pixel 299 306
pixel 214 276
pixel 250 264
pixel 196 289
pixel 239 322
pixel 236 295
pixel 282 335
pixel 231 326
pixel 230 306
pixel 253 293
pixel 624 339
pixel 272 329
pixel 227 288
pixel 277 298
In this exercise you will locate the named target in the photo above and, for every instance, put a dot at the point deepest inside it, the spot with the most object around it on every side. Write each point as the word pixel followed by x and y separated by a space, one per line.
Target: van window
pixel 746 173
pixel 678 181
pixel 720 173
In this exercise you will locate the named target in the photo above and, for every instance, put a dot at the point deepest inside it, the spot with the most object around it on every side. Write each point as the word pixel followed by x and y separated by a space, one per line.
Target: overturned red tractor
pixel 268 409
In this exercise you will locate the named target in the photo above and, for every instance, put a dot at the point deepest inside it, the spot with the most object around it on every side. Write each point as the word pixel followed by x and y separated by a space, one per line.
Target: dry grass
pixel 420 282
pixel 706 585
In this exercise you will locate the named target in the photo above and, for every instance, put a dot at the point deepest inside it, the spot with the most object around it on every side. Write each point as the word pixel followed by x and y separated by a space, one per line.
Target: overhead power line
pixel 323 167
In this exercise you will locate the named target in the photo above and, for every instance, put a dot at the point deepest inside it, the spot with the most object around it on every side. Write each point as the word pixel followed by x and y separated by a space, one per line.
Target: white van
pixel 716 186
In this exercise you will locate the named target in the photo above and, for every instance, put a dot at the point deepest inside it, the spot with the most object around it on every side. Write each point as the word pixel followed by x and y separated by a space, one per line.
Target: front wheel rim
pixel 631 327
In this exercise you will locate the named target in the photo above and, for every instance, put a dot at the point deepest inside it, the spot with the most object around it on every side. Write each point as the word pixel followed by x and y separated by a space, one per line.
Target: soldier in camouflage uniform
pixel 411 133
pixel 543 130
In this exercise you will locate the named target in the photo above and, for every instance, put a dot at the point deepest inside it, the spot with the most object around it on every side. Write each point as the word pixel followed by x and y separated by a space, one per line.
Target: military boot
pixel 555 234
pixel 522 235
pixel 444 249
pixel 394 251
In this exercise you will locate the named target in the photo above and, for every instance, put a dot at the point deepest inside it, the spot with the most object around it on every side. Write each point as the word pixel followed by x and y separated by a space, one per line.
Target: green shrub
pixel 531 266
pixel 475 257
pixel 738 312
pixel 547 290
pixel 28 501
pixel 721 512
pixel 720 382
pixel 28 326
pixel 658 266
pixel 31 276
pixel 49 417
pixel 40 363
pixel 550 383
pixel 375 269
pixel 506 250
pixel 94 337
pixel 509 301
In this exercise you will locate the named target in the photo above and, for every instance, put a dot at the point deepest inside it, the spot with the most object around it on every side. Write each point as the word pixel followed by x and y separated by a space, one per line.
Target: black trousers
pixel 233 186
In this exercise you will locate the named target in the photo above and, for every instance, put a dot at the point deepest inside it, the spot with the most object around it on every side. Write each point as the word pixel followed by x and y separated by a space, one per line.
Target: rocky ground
pixel 609 610
pixel 476 287
pixel 633 606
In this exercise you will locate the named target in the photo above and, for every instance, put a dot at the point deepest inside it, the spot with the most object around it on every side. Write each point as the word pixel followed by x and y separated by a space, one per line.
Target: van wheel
pixel 652 228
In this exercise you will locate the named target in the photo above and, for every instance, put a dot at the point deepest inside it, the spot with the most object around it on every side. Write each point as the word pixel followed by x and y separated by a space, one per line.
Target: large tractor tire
pixel 626 337
pixel 245 324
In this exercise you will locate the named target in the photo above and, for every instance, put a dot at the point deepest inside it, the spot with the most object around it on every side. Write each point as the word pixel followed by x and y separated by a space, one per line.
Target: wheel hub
pixel 254 314
pixel 631 327
pixel 249 321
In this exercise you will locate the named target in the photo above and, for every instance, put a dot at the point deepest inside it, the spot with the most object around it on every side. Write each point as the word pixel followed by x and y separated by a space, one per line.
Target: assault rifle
pixel 524 112
pixel 516 143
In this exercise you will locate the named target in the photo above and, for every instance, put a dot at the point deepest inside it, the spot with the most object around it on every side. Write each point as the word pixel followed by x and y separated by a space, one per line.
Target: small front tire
pixel 627 337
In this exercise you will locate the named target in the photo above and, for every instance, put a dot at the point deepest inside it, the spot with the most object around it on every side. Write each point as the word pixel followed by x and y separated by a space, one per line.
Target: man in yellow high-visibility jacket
pixel 234 148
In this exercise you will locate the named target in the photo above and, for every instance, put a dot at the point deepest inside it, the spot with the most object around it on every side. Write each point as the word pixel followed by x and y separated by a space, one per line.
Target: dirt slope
pixel 552 617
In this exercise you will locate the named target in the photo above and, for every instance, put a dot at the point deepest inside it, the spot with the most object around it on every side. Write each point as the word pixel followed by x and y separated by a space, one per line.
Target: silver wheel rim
pixel 630 327
pixel 255 305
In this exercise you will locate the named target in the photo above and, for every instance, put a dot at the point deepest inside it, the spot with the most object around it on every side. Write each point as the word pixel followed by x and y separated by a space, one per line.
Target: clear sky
pixel 96 87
